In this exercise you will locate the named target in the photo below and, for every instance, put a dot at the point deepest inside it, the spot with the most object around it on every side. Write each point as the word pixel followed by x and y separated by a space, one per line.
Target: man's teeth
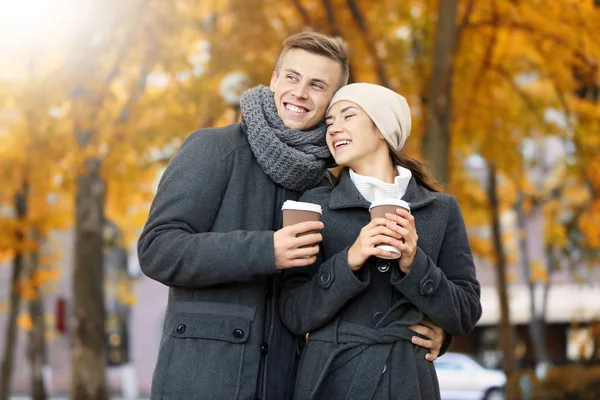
pixel 343 142
pixel 295 109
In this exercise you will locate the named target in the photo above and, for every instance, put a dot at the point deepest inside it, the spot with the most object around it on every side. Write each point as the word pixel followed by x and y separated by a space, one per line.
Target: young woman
pixel 356 302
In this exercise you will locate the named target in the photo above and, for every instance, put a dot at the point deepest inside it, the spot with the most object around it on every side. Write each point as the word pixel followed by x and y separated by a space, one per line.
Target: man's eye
pixel 292 77
pixel 318 86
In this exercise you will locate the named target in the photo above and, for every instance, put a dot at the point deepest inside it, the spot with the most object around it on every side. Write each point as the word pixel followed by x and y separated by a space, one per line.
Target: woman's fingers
pixel 384 239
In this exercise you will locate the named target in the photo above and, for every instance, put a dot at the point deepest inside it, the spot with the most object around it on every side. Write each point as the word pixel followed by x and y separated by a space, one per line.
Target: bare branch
pixel 520 92
pixel 335 31
pixel 369 42
pixel 303 13
pixel 522 26
pixel 489 52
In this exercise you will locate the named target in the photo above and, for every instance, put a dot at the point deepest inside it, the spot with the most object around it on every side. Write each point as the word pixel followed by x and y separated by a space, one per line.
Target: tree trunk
pixel 506 334
pixel 88 355
pixel 37 344
pixel 436 139
pixel 10 343
pixel 369 42
pixel 537 324
pixel 335 29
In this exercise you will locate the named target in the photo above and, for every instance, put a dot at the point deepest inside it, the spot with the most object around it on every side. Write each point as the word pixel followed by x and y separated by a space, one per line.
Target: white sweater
pixel 375 189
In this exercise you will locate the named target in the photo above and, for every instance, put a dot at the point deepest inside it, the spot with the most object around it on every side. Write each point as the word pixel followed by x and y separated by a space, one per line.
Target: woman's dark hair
pixel 418 170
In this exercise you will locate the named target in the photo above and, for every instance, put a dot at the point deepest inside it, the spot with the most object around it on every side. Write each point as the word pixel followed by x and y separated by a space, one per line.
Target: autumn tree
pixel 108 83
pixel 32 168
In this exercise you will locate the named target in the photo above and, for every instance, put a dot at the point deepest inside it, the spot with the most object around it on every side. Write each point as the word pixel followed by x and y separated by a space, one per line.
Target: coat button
pixel 377 316
pixel 180 329
pixel 238 333
pixel 324 278
pixel 384 369
pixel 383 265
pixel 428 286
pixel 264 349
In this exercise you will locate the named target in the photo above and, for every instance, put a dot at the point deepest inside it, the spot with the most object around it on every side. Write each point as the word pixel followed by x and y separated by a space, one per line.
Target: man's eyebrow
pixel 319 80
pixel 293 71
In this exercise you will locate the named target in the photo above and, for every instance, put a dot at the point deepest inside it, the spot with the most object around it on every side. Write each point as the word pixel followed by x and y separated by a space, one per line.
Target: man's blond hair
pixel 334 48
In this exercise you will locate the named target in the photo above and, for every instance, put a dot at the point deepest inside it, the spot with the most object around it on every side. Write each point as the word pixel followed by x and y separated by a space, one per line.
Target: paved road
pixel 66 398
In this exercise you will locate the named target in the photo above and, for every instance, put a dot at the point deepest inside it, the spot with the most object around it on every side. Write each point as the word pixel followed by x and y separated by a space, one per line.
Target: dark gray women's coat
pixel 209 236
pixel 359 343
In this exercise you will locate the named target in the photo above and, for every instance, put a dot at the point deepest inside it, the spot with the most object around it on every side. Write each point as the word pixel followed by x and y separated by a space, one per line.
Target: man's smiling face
pixel 303 88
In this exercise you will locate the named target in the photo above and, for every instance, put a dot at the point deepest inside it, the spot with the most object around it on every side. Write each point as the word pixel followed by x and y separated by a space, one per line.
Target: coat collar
pixel 346 195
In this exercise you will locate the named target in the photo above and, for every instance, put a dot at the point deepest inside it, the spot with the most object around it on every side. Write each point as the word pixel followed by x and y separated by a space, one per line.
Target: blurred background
pixel 96 96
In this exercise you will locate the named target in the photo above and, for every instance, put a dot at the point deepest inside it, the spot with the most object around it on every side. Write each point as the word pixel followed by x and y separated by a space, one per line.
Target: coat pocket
pixel 207 350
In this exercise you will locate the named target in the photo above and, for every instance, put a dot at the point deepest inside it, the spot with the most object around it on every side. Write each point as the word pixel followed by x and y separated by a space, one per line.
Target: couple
pixel 244 292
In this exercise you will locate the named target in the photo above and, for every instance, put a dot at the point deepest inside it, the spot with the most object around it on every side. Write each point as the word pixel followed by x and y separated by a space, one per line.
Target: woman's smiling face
pixel 352 137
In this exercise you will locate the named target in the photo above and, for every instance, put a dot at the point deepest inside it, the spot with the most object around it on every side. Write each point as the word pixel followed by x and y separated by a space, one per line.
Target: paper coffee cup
pixel 378 209
pixel 295 212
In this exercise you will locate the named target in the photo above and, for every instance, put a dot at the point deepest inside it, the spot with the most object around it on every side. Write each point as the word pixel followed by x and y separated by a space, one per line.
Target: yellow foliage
pixel 27 290
pixel 481 247
pixel 506 76
pixel 508 194
pixel 576 195
pixel 511 277
pixel 554 232
pixel 589 225
pixel 593 171
pixel 511 257
pixel 538 272
pixel 6 254
pixel 24 321
pixel 43 276
pixel 124 293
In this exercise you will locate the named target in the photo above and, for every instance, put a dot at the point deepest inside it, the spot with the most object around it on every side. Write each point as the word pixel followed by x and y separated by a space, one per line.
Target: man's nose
pixel 300 91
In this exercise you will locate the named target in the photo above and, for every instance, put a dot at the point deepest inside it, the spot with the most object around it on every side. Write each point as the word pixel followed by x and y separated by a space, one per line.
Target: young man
pixel 212 234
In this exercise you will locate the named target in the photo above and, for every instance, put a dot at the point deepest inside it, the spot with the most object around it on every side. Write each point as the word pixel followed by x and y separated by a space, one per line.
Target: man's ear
pixel 273 80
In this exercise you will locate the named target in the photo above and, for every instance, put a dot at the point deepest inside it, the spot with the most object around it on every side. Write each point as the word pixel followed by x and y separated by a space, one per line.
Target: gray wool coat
pixel 359 346
pixel 209 237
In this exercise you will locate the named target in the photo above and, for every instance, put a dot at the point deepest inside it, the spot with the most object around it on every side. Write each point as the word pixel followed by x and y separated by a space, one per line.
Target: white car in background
pixel 463 378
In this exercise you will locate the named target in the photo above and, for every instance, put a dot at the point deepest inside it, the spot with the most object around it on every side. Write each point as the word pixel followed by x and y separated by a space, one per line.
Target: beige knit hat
pixel 387 109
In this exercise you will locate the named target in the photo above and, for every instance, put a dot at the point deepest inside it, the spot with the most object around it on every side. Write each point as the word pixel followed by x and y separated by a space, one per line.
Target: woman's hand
pixel 378 231
pixel 405 227
pixel 435 338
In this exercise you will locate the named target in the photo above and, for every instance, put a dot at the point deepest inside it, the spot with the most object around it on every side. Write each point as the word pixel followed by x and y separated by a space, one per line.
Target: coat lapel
pixel 417 196
pixel 345 194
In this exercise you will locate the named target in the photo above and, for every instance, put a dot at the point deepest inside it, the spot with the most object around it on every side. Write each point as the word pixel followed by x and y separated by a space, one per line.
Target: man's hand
pixel 297 245
pixel 435 338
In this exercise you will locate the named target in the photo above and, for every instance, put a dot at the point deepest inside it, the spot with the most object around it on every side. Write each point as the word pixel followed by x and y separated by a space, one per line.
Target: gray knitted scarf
pixel 294 159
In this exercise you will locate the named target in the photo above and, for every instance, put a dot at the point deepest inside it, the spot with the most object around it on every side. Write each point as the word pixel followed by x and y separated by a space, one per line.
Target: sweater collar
pixel 372 188
pixel 345 194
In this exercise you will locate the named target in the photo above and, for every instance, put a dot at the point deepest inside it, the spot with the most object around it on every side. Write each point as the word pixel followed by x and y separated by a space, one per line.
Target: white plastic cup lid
pixel 300 205
pixel 392 202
